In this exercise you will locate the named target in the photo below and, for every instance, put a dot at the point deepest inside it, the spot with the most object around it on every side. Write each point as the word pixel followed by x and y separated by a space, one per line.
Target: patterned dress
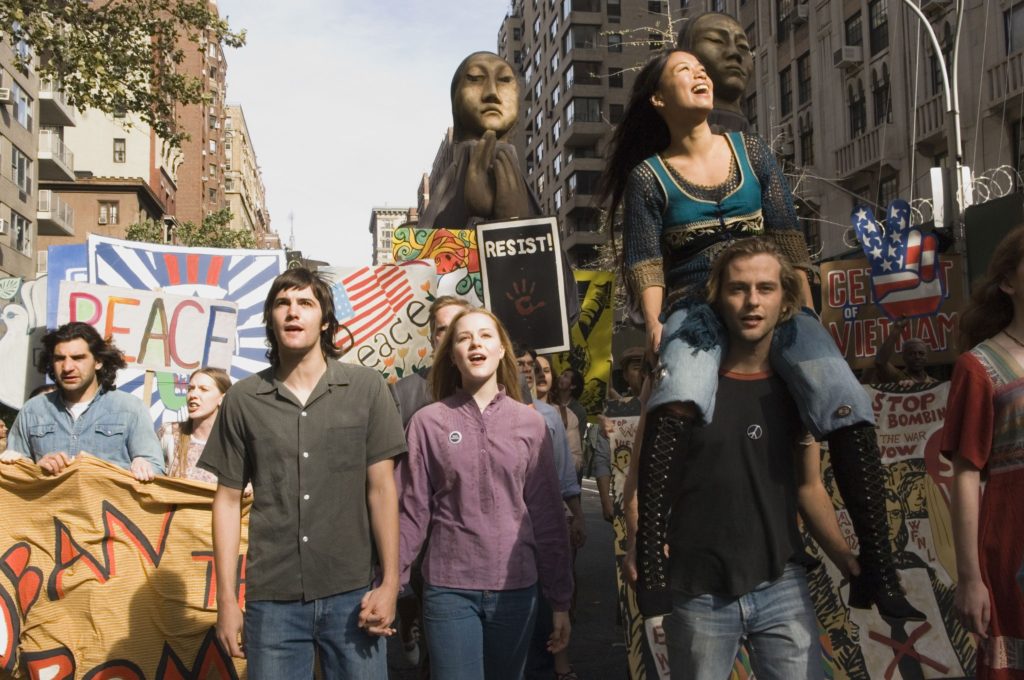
pixel 169 442
pixel 985 426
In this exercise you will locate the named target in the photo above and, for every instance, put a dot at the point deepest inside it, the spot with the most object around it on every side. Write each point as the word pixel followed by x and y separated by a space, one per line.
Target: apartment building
pixel 383 222
pixel 243 182
pixel 201 175
pixel 577 60
pixel 32 116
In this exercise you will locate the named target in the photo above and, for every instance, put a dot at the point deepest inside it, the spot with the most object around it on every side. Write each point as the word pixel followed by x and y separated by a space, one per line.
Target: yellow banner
pixel 591 338
pixel 102 577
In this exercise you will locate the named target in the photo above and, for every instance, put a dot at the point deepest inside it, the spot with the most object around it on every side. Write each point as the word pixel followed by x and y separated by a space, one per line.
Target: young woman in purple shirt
pixel 480 481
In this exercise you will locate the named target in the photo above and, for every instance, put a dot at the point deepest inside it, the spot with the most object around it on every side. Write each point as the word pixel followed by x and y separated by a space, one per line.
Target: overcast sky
pixel 347 103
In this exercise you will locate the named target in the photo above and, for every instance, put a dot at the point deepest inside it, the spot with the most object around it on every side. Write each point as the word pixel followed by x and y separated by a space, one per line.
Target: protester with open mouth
pixel 686 193
pixel 481 482
pixel 183 442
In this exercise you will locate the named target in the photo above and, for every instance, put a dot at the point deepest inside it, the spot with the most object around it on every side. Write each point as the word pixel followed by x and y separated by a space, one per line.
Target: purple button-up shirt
pixel 483 486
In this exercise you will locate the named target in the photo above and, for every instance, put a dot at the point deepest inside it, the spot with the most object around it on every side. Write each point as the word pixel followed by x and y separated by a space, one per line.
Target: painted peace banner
pixel 114 580
pixel 454 254
pixel 23 313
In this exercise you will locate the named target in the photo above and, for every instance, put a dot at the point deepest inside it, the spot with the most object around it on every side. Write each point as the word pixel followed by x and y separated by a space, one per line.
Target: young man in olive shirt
pixel 317 439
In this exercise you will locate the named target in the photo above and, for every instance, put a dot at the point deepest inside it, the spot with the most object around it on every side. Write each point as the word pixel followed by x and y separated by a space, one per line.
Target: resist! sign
pixel 155 331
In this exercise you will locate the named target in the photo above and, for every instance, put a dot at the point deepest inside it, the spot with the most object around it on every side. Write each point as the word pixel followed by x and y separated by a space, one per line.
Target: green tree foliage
pixel 118 56
pixel 214 232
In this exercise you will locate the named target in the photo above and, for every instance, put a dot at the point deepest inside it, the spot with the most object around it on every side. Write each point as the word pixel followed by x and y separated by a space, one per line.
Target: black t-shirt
pixel 734 515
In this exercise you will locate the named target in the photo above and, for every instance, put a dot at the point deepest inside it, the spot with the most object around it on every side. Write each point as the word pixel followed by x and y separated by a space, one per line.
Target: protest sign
pixel 521 265
pixel 591 338
pixel 63 263
pixel 154 330
pixel 23 312
pixel 114 580
pixel 383 314
pixel 454 254
pixel 859 326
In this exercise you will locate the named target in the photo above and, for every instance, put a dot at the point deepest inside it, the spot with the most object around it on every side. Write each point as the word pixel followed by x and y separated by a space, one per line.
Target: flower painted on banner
pixel 402 351
pixel 392 379
pixel 425 286
pixel 389 362
pixel 422 351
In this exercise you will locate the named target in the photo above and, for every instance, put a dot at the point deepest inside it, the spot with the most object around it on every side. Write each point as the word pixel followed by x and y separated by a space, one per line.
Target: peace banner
pixel 23 312
pixel 104 577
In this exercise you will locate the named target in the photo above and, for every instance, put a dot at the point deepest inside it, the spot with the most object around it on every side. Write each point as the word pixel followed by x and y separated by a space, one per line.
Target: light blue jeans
pixel 478 634
pixel 803 354
pixel 776 620
pixel 281 638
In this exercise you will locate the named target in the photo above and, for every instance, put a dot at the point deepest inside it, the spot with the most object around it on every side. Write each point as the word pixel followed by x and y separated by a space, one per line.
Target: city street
pixel 597 650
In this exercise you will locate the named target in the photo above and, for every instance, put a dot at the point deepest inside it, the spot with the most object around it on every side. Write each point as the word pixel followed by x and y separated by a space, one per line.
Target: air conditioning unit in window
pixel 102 219
pixel 5 226
pixel 5 95
pixel 847 56
pixel 801 14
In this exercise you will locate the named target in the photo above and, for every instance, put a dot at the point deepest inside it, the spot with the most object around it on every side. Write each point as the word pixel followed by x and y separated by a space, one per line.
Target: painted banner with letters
pixel 114 580
pixel 859 326
pixel 154 330
pixel 524 283
pixel 383 315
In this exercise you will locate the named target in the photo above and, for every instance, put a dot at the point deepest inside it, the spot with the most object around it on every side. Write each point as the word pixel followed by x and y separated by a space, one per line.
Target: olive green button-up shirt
pixel 309 528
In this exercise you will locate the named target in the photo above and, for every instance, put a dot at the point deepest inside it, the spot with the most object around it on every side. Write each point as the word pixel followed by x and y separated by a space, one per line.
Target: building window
pixel 582 73
pixel 540 152
pixel 517 33
pixel 655 41
pixel 213 146
pixel 583 110
pixel 880 93
pixel 718 5
pixel 614 11
pixel 558 199
pixel 22 229
pixel 615 112
pixel 614 42
pixel 888 190
pixel 854 34
pixel 655 6
pixel 785 92
pixel 554 63
pixel 536 28
pixel 553 30
pixel 556 94
pixel 783 8
pixel 120 151
pixel 615 78
pixel 803 78
pixel 229 184
pixel 556 165
pixel 110 212
pixel 582 182
pixel 21 170
pixel 878 15
pixel 1013 22
pixel 583 36
pixel 857 108
pixel 211 195
pixel 22 107
pixel 750 110
pixel 806 141
pixel 538 89
pixel 556 131
pixel 541 181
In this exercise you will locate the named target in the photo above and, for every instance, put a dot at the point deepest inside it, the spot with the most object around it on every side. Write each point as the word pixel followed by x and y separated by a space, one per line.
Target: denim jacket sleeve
pixel 142 441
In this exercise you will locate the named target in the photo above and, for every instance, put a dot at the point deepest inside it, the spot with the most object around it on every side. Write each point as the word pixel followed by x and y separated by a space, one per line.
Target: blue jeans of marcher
pixel 478 634
pixel 776 620
pixel 282 638
pixel 803 354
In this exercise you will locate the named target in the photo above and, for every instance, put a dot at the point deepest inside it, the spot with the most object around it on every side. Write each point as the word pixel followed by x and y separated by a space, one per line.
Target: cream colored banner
pixel 102 577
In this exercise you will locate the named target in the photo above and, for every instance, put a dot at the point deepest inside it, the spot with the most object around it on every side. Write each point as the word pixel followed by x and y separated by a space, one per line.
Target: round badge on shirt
pixel 455 437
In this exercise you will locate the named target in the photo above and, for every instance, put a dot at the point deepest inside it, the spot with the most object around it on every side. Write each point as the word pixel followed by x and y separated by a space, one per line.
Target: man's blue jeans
pixel 478 634
pixel 803 354
pixel 282 638
pixel 776 620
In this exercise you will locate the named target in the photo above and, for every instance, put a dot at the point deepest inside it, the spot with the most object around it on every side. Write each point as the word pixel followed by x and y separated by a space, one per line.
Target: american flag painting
pixel 366 300
pixel 906 275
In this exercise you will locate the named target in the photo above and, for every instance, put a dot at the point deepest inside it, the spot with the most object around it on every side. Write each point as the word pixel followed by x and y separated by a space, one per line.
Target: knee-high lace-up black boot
pixel 665 438
pixel 861 481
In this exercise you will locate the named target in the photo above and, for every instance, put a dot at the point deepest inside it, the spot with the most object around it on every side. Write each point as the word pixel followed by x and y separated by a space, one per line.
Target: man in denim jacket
pixel 86 414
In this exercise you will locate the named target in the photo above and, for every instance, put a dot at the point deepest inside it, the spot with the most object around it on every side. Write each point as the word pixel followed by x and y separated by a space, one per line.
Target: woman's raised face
pixel 476 348
pixel 684 84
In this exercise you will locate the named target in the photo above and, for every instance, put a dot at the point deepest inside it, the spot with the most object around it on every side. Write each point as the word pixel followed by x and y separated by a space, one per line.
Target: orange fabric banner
pixel 104 577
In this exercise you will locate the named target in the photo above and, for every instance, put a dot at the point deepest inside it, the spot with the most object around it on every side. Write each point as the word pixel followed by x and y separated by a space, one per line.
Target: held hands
pixel 55 463
pixel 377 610
pixel 142 470
pixel 562 628
pixel 973 606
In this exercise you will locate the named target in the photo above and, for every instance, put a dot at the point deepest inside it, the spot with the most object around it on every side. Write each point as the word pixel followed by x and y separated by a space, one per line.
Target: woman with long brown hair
pixel 183 442
pixel 480 480
pixel 984 435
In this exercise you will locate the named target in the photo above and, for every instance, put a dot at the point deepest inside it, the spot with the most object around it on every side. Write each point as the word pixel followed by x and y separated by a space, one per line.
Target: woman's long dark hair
pixel 991 309
pixel 640 134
